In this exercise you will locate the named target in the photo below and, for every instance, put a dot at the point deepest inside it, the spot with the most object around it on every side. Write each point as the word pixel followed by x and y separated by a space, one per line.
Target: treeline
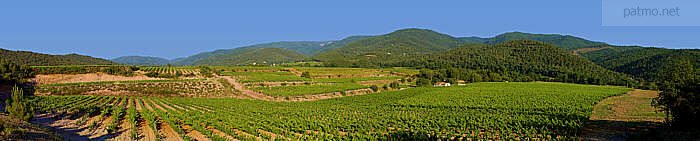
pixel 113 70
pixel 519 60
pixel 39 59
pixel 12 73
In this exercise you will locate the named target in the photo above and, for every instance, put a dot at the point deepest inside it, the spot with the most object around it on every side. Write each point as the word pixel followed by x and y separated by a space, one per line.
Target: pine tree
pixel 18 106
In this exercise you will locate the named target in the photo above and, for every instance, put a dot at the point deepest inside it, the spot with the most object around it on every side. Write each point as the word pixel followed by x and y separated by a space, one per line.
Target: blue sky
pixel 179 28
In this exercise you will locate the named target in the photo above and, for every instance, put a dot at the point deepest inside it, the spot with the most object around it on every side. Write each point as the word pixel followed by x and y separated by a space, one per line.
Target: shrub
pixel 374 88
pixel 394 85
pixel 306 74
pixel 18 106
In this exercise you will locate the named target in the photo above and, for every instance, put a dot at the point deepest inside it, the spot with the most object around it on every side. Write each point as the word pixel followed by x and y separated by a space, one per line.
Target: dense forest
pixel 518 60
pixel 38 59
pixel 377 50
pixel 566 42
pixel 642 62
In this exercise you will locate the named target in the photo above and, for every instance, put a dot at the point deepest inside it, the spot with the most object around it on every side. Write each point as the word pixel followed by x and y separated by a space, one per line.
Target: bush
pixel 394 85
pixel 374 88
pixel 306 74
pixel 18 106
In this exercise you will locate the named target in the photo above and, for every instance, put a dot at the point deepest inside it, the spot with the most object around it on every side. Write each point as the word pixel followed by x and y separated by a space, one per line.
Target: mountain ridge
pixel 40 59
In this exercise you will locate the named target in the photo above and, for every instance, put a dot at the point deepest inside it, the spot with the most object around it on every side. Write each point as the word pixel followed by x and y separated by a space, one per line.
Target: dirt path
pixel 247 92
pixel 137 103
pixel 129 102
pixel 147 133
pixel 167 106
pixel 194 133
pixel 145 104
pixel 222 134
pixel 124 131
pixel 175 105
pixel 168 133
pixel 156 105
pixel 616 116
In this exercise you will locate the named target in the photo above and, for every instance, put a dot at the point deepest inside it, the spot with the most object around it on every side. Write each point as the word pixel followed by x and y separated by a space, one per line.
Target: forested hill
pixel 390 47
pixel 303 47
pixel 566 42
pixel 39 59
pixel 517 60
pixel 643 62
pixel 141 60
pixel 258 56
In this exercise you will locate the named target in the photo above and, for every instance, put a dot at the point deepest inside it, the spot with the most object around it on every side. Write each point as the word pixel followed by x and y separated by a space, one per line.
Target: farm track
pixel 247 92
pixel 168 133
pixel 614 117
pixel 137 103
pixel 147 134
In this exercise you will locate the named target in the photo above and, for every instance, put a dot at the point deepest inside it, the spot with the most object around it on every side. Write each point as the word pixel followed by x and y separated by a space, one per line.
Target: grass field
pixel 493 111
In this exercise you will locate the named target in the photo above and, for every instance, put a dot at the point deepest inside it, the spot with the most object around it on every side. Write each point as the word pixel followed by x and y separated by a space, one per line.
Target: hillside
pixel 642 62
pixel 566 42
pixel 390 47
pixel 140 60
pixel 520 60
pixel 258 56
pixel 304 47
pixel 39 59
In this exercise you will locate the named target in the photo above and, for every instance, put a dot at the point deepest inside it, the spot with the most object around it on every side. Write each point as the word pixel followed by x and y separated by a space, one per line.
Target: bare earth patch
pixel 194 134
pixel 168 133
pixel 584 50
pixel 88 77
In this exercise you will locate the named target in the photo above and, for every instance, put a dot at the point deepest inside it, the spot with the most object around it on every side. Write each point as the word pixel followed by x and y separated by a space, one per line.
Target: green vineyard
pixel 478 111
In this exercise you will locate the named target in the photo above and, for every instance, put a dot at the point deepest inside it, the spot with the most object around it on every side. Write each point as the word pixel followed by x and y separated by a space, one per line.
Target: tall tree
pixel 680 96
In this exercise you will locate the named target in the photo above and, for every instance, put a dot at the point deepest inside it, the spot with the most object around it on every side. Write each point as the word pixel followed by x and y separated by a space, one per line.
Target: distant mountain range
pixel 407 42
pixel 141 60
pixel 397 47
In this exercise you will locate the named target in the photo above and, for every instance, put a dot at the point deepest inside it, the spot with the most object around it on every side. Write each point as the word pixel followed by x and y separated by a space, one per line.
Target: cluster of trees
pixel 113 70
pixel 11 73
pixel 680 94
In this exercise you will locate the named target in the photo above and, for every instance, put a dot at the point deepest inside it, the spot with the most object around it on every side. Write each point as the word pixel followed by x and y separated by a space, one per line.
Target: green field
pixel 307 89
pixel 246 77
pixel 493 111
